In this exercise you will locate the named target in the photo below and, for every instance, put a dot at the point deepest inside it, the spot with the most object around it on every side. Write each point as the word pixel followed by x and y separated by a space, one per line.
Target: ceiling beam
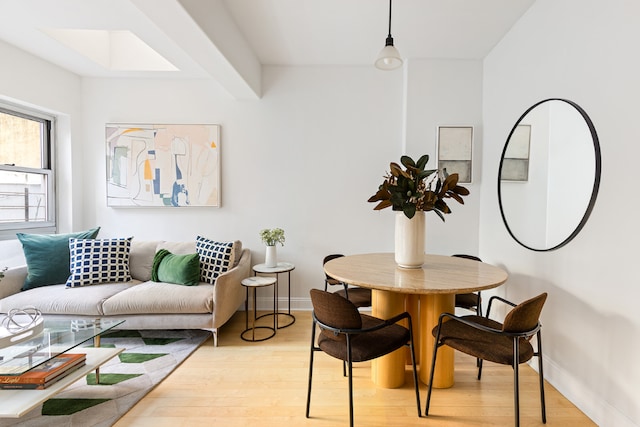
pixel 207 33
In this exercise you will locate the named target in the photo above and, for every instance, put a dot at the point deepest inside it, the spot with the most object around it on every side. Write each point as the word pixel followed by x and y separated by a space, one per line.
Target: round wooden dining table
pixel 425 293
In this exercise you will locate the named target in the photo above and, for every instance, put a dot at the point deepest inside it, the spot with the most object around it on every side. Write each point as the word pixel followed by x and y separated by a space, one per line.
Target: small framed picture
pixel 515 165
pixel 455 151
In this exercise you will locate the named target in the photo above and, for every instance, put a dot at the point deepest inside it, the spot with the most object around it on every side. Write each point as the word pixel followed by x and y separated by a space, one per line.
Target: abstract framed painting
pixel 153 165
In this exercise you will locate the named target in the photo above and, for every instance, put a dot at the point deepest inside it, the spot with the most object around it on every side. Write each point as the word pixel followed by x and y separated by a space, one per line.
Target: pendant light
pixel 389 57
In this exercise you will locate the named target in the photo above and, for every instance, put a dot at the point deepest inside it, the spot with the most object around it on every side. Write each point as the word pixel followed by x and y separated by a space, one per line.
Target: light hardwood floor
pixel 265 384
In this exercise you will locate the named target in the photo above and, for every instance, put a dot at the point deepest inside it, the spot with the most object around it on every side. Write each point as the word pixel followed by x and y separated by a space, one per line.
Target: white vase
pixel 409 239
pixel 271 256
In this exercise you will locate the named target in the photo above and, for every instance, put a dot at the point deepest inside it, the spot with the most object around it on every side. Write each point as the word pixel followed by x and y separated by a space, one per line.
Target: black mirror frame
pixel 596 183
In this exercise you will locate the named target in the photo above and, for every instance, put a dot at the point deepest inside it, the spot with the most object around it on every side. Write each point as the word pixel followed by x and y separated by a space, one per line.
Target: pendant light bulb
pixel 389 57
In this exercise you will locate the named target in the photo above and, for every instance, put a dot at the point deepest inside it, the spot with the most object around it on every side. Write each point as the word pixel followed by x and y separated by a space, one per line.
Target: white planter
pixel 409 239
pixel 271 256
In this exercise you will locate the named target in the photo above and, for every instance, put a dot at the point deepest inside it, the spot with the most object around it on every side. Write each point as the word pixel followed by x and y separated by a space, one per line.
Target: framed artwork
pixel 163 165
pixel 515 165
pixel 455 150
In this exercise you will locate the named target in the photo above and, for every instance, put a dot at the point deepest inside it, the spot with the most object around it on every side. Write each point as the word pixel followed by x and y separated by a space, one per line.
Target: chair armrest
pixel 12 281
pixel 475 325
pixel 499 299
pixel 467 322
pixel 381 325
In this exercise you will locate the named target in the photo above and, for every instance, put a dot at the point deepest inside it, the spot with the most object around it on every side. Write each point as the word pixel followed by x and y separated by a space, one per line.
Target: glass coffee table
pixel 57 337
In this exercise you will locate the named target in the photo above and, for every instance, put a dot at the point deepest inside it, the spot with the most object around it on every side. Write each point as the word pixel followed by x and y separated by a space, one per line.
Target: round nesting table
pixel 281 267
pixel 254 283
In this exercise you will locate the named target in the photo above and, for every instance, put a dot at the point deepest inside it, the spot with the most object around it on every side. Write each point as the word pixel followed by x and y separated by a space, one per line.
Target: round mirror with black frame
pixel 549 174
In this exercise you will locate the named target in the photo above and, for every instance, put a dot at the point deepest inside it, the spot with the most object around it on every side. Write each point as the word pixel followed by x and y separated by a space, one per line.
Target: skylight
pixel 114 50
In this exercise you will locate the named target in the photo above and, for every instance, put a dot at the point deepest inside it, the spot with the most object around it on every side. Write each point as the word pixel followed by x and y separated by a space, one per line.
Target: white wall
pixel 583 51
pixel 445 93
pixel 31 82
pixel 305 157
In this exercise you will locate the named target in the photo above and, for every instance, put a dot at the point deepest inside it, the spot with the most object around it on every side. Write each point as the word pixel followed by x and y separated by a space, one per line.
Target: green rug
pixel 149 357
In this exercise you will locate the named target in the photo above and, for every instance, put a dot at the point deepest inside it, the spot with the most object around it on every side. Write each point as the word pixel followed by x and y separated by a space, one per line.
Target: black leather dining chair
pixel 360 297
pixel 472 300
pixel 507 343
pixel 350 336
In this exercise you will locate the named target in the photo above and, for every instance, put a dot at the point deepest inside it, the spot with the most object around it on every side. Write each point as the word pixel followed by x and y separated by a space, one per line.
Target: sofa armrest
pixel 228 293
pixel 12 281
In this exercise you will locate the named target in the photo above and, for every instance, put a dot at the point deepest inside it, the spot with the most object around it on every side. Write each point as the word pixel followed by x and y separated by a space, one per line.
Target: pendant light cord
pixel 389 18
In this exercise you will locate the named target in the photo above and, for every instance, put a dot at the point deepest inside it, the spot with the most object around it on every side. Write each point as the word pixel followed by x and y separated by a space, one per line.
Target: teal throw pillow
pixel 177 269
pixel 47 257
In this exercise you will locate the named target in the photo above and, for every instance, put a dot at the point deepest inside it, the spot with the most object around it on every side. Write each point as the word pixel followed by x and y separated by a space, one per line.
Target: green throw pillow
pixel 47 257
pixel 178 269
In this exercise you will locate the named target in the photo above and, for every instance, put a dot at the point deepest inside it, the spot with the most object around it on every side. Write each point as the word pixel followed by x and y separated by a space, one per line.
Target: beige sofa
pixel 144 304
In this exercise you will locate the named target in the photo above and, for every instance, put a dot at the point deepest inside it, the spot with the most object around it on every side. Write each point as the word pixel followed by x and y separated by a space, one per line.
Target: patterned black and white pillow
pixel 95 261
pixel 215 258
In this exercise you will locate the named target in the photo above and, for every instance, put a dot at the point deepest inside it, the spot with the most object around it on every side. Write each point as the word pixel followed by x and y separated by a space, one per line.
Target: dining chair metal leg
pixel 415 371
pixel 313 350
pixel 516 383
pixel 541 378
pixel 433 367
pixel 350 369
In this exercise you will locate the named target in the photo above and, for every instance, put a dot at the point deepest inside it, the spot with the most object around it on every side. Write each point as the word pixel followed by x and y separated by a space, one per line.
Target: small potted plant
pixel 271 236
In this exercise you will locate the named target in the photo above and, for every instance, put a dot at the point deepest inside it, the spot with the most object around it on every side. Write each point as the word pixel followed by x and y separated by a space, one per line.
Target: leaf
pixel 383 204
pixel 440 215
pixel 395 169
pixel 426 174
pixel 458 189
pixel 451 180
pixel 442 206
pixel 407 161
pixel 422 161
pixel 409 210
pixel 455 197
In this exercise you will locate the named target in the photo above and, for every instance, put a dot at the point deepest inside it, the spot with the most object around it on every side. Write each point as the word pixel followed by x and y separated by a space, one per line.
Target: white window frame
pixel 8 230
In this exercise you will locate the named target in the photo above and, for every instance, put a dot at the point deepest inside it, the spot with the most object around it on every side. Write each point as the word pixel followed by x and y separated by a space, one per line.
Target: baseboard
pixel 593 406
pixel 299 304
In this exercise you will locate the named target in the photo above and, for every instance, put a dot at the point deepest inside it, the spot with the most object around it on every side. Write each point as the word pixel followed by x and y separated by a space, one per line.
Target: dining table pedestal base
pixel 431 306
pixel 388 371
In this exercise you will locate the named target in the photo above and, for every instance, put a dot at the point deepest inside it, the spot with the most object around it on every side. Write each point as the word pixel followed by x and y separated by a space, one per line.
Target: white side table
pixel 281 267
pixel 254 283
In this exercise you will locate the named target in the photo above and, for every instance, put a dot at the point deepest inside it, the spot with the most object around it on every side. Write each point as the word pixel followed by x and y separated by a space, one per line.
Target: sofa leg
pixel 215 337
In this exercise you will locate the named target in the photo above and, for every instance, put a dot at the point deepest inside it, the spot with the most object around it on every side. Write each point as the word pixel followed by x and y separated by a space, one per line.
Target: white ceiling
pixel 197 36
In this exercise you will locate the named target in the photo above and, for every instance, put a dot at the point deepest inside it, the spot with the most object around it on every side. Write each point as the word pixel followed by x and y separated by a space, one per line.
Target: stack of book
pixel 42 376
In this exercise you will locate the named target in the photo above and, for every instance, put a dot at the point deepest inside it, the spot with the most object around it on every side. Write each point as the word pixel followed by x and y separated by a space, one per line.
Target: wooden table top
pixel 439 274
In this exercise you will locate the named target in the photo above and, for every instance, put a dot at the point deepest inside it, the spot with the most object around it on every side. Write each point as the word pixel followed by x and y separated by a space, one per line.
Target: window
pixel 27 202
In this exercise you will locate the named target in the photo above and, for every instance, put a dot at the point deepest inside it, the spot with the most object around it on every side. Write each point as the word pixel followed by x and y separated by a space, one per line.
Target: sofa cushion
pixel 47 256
pixel 57 299
pixel 141 258
pixel 178 269
pixel 160 298
pixel 215 258
pixel 180 248
pixel 99 261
